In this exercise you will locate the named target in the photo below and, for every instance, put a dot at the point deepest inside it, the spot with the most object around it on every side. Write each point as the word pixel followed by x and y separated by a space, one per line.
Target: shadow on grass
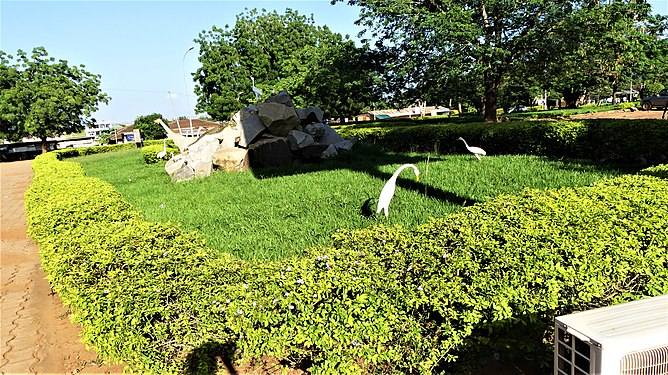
pixel 365 158
pixel 213 358
pixel 206 358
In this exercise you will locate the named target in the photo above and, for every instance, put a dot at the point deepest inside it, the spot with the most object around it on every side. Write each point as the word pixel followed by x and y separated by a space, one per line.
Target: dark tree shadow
pixel 365 158
pixel 206 359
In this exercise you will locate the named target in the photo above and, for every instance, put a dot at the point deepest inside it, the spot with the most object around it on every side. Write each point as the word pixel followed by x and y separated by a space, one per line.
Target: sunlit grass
pixel 274 213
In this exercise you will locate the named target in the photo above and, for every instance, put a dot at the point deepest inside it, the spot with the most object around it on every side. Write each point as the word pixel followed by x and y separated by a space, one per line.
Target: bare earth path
pixel 37 336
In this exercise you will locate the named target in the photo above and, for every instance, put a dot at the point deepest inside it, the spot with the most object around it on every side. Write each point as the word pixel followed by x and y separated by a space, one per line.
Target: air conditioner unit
pixel 629 338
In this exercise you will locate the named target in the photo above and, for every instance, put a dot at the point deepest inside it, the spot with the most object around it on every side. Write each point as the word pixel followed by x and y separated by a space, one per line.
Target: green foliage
pixel 150 152
pixel 149 128
pixel 283 51
pixel 42 97
pixel 264 224
pixel 627 141
pixel 386 299
pixel 660 170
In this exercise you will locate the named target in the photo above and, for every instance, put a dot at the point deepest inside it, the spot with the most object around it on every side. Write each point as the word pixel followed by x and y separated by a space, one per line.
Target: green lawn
pixel 275 213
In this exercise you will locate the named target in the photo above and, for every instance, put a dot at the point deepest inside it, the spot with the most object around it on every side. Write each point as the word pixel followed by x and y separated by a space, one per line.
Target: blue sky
pixel 139 47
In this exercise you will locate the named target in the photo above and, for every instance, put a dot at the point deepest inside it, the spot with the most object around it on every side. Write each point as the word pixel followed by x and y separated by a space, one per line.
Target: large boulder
pixel 231 159
pixel 270 152
pixel 203 169
pixel 174 164
pixel 299 140
pixel 346 144
pixel 278 118
pixel 282 98
pixel 330 136
pixel 249 124
pixel 316 130
pixel 204 146
pixel 330 152
pixel 230 137
pixel 314 152
pixel 184 173
pixel 310 115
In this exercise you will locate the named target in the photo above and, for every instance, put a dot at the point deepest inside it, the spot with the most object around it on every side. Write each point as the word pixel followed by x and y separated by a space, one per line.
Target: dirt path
pixel 37 336
pixel 621 114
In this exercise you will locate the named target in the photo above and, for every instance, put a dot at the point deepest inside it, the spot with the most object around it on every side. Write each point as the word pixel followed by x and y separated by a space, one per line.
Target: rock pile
pixel 272 133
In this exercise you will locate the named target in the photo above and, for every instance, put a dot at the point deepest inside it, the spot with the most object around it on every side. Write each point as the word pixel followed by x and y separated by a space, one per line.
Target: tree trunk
pixel 45 147
pixel 492 83
pixel 571 97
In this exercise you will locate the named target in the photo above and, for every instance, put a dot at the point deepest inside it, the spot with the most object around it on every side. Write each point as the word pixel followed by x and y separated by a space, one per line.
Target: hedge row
pixel 378 300
pixel 625 141
pixel 150 152
pixel 82 151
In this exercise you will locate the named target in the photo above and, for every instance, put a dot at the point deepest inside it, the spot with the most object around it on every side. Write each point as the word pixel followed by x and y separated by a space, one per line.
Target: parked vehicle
pixel 659 100
pixel 518 108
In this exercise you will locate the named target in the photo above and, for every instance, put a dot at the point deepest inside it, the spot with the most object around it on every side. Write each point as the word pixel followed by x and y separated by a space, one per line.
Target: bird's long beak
pixel 417 177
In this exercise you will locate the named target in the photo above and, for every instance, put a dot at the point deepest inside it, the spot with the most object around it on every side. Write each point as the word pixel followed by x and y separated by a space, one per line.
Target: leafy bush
pixel 378 300
pixel 660 170
pixel 150 152
pixel 644 141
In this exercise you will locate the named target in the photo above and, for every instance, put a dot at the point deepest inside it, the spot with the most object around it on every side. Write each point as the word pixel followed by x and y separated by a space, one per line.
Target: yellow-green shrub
pixel 378 300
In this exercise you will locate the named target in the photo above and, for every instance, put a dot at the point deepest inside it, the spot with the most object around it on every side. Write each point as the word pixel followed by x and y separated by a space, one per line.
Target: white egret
pixel 477 151
pixel 258 93
pixel 162 153
pixel 388 190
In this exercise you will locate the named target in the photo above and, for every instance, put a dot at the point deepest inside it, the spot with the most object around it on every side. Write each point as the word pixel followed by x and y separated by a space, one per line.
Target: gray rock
pixel 282 98
pixel 313 152
pixel 329 152
pixel 174 164
pixel 203 169
pixel 231 159
pixel 230 137
pixel 270 152
pixel 249 124
pixel 184 173
pixel 345 145
pixel 278 118
pixel 299 140
pixel 330 136
pixel 204 144
pixel 310 115
pixel 316 130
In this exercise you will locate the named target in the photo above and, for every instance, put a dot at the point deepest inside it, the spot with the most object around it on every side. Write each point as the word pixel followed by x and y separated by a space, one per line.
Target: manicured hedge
pixel 378 300
pixel 628 141
pixel 658 171
pixel 150 152
pixel 82 151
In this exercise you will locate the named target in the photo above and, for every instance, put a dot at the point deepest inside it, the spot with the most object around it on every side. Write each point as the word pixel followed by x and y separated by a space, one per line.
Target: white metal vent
pixel 628 339
pixel 646 362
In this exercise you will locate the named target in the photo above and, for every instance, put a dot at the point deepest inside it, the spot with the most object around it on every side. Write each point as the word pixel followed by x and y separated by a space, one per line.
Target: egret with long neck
pixel 477 151
pixel 163 153
pixel 388 190
pixel 258 93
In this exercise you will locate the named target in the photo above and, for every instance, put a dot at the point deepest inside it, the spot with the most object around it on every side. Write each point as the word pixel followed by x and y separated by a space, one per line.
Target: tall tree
pixel 42 97
pixel 282 51
pixel 149 128
pixel 436 43
pixel 602 45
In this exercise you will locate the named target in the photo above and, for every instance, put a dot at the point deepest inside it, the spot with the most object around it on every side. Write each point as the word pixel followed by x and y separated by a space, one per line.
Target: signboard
pixel 137 136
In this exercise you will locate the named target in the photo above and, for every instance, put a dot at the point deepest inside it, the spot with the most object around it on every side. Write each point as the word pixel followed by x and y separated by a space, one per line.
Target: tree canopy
pixel 42 97
pixel 283 51
pixel 149 128
pixel 475 49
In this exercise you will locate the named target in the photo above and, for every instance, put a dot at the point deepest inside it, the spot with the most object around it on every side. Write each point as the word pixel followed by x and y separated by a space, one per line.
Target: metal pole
pixel 185 86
